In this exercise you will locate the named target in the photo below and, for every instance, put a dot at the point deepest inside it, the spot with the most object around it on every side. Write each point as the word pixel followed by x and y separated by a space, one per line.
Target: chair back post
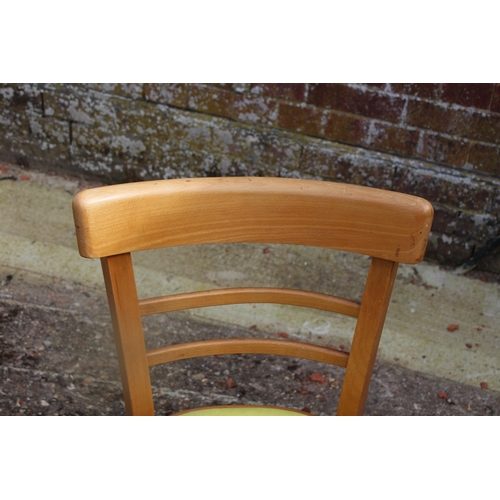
pixel 374 305
pixel 129 335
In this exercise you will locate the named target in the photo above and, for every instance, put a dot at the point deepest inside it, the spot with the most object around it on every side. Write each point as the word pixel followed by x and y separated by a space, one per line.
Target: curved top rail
pixel 124 218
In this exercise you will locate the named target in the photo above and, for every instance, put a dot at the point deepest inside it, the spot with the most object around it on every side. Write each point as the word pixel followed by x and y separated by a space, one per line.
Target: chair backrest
pixel 113 221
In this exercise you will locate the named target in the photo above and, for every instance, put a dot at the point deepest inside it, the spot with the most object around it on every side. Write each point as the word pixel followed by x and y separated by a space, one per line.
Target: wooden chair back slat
pixel 156 214
pixel 231 296
pixel 247 346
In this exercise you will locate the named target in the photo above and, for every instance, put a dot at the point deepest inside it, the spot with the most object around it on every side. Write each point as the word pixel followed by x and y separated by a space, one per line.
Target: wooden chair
pixel 113 221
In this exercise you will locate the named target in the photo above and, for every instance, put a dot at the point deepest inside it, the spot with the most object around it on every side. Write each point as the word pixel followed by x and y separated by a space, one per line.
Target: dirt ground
pixel 57 357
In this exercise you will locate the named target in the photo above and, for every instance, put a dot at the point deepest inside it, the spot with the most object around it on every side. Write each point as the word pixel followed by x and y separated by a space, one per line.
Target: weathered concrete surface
pixel 38 248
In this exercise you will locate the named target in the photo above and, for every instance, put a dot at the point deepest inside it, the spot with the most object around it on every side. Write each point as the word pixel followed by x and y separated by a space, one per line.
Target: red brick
pixel 485 158
pixel 307 120
pixel 350 129
pixel 255 109
pixel 345 164
pixel 484 127
pixel 287 91
pixel 175 94
pixel 495 102
pixel 440 149
pixel 476 95
pixel 423 90
pixel 376 135
pixel 390 138
pixel 366 103
pixel 476 125
pixel 432 116
pixel 212 100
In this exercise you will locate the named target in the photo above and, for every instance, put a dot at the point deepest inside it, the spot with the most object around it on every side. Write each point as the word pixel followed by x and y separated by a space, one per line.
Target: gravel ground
pixel 57 357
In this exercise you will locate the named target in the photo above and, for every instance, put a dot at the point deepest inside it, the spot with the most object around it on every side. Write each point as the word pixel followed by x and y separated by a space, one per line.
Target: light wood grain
pixel 129 336
pixel 246 346
pixel 137 216
pixel 246 296
pixel 112 221
pixel 376 297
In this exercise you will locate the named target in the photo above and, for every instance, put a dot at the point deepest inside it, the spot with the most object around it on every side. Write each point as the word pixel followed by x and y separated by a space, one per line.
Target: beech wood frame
pixel 113 221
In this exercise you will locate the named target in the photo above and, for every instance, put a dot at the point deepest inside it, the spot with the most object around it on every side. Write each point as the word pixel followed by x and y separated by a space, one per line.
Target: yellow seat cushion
pixel 242 411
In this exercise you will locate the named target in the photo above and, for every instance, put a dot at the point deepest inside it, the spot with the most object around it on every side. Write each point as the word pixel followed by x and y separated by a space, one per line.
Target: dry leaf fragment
pixel 317 377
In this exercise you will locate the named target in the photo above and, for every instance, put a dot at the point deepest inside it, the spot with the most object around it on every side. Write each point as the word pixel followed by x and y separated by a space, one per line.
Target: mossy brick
pixel 308 120
pixel 449 250
pixel 190 131
pixel 252 108
pixel 294 92
pixel 261 149
pixel 210 99
pixel 227 86
pixel 347 164
pixel 183 163
pixel 49 130
pixel 180 162
pixel 454 120
pixel 464 224
pixel 173 94
pixel 122 131
pixel 115 148
pixel 71 104
pixel 108 167
pixel 21 96
pixel 460 192
pixel 358 101
pixel 13 123
pixel 484 158
pixel 252 145
pixel 441 149
pixel 476 95
pixel 491 262
pixel 241 88
pixel 32 152
pixel 130 90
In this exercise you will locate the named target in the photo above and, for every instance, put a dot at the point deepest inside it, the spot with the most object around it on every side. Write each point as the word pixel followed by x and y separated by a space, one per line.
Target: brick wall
pixel 440 141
